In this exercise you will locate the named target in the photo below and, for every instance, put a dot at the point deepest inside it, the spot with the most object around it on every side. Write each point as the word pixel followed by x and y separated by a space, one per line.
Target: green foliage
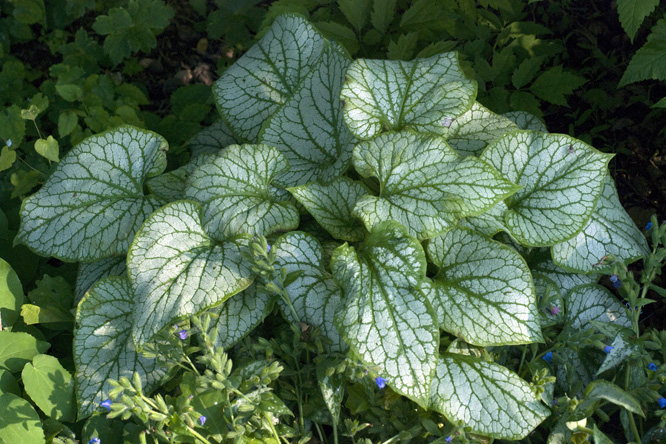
pixel 133 28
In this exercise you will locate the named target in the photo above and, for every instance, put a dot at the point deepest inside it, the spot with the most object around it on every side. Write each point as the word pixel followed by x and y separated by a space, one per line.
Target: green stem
pixel 522 359
pixel 632 422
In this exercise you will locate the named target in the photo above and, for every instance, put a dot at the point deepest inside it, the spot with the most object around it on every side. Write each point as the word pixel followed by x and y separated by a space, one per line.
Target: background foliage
pixel 70 69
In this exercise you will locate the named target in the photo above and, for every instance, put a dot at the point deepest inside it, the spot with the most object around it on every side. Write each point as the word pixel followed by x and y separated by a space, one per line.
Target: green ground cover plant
pixel 358 249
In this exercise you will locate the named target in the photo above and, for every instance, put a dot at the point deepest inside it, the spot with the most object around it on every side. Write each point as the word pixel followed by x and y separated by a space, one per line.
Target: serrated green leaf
pixel 48 148
pixel 93 204
pixel 424 94
pixel 355 11
pixel 526 72
pixel 470 133
pixel 561 177
pixel 404 48
pixel 12 126
pixel 309 129
pixel 70 93
pixel 332 204
pixel 267 75
pixel 103 347
pixel 385 320
pixel 18 348
pixel 592 302
pixel 212 139
pixel 177 270
pixel 424 15
pixel 51 387
pixel 632 13
pixel 610 231
pixel 382 14
pixel 29 12
pixel 19 422
pixel 490 399
pixel 526 121
pixel 554 84
pixel 7 158
pixel 483 291
pixel 239 315
pixel 424 185
pixel 313 294
pixel 11 295
pixel 91 272
pixel 648 62
pixel 237 194
pixel 342 34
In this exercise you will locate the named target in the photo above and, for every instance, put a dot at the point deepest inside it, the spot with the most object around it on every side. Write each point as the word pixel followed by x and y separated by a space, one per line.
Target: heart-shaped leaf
pixel 424 94
pixel 483 291
pixel 561 179
pixel 11 295
pixel 18 348
pixel 48 148
pixel 172 185
pixel 236 193
pixel 267 75
pixel 490 399
pixel 423 184
pixel 593 302
pixel 470 133
pixel 7 158
pixel 332 204
pixel 313 294
pixel 51 387
pixel 385 319
pixel 308 129
pixel 19 422
pixel 94 202
pixel 177 270
pixel 610 231
pixel 91 272
pixel 212 139
pixel 240 314
pixel 103 347
pixel 526 121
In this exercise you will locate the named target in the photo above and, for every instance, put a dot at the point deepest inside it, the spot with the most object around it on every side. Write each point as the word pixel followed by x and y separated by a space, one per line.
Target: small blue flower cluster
pixel 615 280
pixel 381 382
pixel 652 366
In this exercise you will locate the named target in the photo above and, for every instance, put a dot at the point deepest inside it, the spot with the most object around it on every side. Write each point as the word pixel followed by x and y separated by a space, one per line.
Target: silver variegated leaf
pixel 423 184
pixel 236 192
pixel 91 272
pixel 212 139
pixel 424 94
pixel 314 294
pixel 593 302
pixel 385 319
pixel 610 231
pixel 103 347
pixel 241 314
pixel 526 121
pixel 486 397
pixel 267 75
pixel 561 179
pixel 470 133
pixel 332 204
pixel 177 270
pixel 94 202
pixel 308 129
pixel 483 291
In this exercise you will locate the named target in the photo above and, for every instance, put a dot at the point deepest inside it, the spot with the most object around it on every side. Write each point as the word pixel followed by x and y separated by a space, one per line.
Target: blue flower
pixel 662 402
pixel 9 142
pixel 95 440
pixel 548 357
pixel 183 334
pixel 449 438
pixel 381 382
pixel 202 420
pixel 648 226
pixel 652 366
pixel 615 280
pixel 608 348
pixel 106 404
pixel 269 249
